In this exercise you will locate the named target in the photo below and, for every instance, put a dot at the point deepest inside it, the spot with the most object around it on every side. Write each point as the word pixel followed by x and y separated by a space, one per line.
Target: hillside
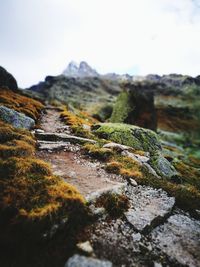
pixel 100 170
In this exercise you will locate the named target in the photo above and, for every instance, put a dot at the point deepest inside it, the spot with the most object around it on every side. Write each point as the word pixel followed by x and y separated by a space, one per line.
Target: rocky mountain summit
pixel 80 70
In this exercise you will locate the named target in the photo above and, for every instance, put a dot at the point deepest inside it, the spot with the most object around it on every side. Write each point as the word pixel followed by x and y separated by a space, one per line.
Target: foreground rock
pixel 81 261
pixel 148 207
pixel 16 119
pixel 179 239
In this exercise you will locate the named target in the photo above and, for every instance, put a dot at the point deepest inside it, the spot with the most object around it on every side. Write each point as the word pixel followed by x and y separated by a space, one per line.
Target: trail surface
pixel 69 163
pixel 153 232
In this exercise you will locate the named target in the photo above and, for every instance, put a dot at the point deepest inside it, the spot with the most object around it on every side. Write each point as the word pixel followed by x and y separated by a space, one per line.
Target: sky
pixel 40 37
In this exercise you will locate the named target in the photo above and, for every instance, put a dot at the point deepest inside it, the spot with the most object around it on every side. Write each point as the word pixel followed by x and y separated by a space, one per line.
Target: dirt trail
pixel 69 163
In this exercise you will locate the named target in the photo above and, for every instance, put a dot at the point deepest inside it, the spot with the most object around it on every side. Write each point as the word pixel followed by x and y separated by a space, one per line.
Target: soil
pixel 71 164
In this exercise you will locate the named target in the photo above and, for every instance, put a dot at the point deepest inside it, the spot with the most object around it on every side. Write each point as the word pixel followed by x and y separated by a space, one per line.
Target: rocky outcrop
pixel 85 92
pixel 170 103
pixel 148 207
pixel 129 135
pixel 6 79
pixel 136 106
pixel 16 119
pixel 82 261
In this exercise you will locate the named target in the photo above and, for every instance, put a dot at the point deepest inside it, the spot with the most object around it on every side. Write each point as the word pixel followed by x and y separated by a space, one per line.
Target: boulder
pixel 16 119
pixel 6 79
pixel 179 239
pixel 82 261
pixel 129 135
pixel 136 106
pixel 148 207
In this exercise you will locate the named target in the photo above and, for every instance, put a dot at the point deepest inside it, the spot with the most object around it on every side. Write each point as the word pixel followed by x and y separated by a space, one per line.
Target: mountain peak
pixel 80 70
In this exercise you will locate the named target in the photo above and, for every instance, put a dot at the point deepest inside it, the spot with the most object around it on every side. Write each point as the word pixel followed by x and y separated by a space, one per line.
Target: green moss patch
pixel 133 136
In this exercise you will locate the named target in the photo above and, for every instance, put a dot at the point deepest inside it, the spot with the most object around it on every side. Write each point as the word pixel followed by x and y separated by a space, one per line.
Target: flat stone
pixel 48 145
pixel 148 207
pixel 179 239
pixel 117 146
pixel 85 247
pixel 82 261
pixel 63 137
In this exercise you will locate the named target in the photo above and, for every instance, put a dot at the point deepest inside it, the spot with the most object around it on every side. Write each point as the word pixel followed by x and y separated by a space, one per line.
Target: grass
pixel 21 103
pixel 32 199
pixel 79 121
pixel 114 204
pixel 95 151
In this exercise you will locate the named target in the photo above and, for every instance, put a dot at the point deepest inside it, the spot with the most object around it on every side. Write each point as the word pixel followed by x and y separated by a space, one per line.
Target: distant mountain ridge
pixel 80 70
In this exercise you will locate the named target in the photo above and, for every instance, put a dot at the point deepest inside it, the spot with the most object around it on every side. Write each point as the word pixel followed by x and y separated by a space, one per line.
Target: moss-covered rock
pixel 135 105
pixel 133 136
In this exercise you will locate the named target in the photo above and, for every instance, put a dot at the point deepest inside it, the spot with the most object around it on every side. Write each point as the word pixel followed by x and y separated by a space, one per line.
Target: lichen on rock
pixel 16 119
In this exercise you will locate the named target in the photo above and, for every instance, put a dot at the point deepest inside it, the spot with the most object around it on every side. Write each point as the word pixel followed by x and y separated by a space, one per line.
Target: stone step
pixel 63 137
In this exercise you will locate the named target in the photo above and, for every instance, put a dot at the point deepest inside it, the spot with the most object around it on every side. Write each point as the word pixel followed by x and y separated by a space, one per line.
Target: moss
pixel 21 103
pixel 188 174
pixel 136 137
pixel 32 199
pixel 16 148
pixel 113 167
pixel 79 121
pixel 121 108
pixel 114 204
pixel 97 151
pixel 103 113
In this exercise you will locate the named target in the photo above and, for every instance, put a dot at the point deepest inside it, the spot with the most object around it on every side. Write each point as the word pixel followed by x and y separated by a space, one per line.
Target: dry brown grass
pixel 20 103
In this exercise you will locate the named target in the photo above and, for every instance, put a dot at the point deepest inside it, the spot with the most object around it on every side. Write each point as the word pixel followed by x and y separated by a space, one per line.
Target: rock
pixel 179 239
pixel 82 261
pixel 16 119
pixel 39 131
pixel 136 157
pixel 136 237
pixel 85 247
pixel 136 106
pixel 162 166
pixel 133 182
pixel 142 161
pixel 116 146
pixel 6 79
pixel 63 137
pixel 129 135
pixel 148 207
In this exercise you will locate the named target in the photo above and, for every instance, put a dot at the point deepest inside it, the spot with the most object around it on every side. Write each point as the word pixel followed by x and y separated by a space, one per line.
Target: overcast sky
pixel 40 37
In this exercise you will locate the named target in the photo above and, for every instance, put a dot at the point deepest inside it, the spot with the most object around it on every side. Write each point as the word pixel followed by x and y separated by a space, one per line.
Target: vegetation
pixel 133 136
pixel 98 152
pixel 30 196
pixel 20 103
pixel 121 108
pixel 115 204
pixel 79 121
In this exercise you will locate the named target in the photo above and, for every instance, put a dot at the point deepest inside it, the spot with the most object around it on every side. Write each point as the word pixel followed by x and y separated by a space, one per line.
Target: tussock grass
pixel 20 103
